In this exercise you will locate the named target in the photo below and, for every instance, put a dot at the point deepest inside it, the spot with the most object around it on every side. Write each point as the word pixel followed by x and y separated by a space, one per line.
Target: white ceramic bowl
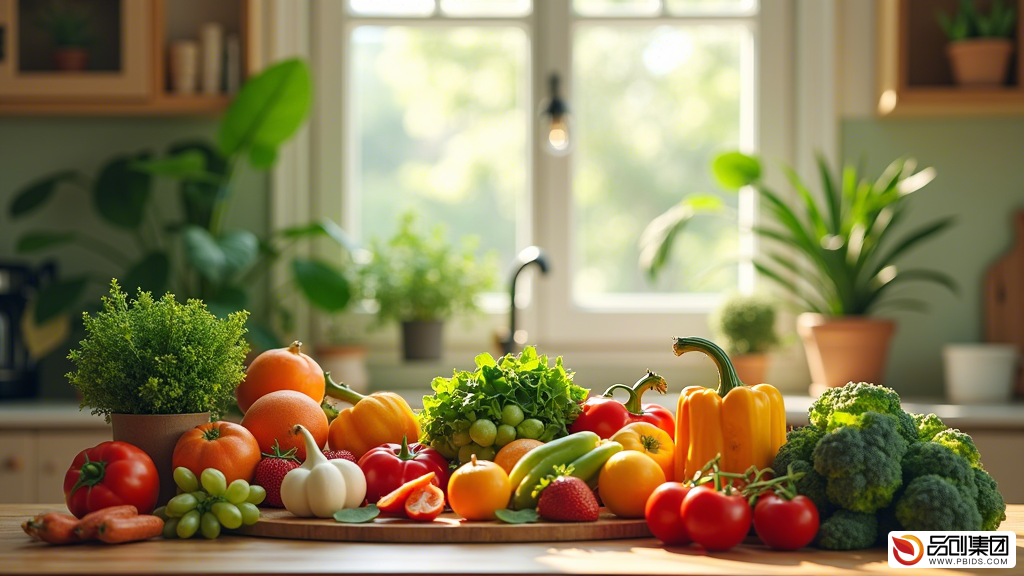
pixel 980 373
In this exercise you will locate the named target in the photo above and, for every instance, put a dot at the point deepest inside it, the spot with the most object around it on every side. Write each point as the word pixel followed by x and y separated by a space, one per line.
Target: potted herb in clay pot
pixel 158 368
pixel 839 259
pixel 746 324
pixel 979 45
pixel 420 280
pixel 70 31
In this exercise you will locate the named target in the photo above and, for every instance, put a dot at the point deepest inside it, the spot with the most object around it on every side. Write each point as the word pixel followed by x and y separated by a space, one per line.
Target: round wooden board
pixel 448 528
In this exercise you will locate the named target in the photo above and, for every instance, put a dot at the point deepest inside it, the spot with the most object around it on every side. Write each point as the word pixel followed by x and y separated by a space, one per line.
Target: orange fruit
pixel 626 482
pixel 478 489
pixel 273 418
pixel 511 453
pixel 281 369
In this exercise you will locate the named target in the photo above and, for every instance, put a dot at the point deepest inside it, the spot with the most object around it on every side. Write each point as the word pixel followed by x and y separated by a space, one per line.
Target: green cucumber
pixel 524 492
pixel 587 466
pixel 534 457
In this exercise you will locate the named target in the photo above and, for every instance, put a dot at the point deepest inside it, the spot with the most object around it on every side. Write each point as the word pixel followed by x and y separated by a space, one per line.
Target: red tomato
pixel 785 524
pixel 425 503
pixel 715 520
pixel 662 513
pixel 390 465
pixel 111 474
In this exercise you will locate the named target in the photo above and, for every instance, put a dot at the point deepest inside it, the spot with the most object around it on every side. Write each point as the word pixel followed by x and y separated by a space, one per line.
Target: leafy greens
pixel 544 392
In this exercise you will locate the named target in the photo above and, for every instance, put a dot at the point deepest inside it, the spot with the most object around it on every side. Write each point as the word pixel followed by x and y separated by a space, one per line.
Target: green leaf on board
pixel 357 515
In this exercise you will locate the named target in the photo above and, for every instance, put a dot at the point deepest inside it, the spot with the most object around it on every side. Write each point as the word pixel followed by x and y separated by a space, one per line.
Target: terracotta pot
pixel 346 364
pixel 981 62
pixel 70 59
pixel 156 435
pixel 421 339
pixel 844 349
pixel 751 368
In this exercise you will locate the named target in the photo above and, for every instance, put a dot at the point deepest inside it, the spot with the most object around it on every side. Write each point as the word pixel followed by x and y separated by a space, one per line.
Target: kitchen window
pixel 439 103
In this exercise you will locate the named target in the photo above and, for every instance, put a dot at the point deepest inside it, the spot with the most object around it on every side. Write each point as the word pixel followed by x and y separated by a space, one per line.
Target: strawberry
pixel 270 473
pixel 567 499
pixel 340 455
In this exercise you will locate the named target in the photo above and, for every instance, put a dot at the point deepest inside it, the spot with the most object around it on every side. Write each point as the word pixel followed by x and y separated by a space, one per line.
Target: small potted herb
pixel 158 368
pixel 70 31
pixel 979 45
pixel 420 280
pixel 746 325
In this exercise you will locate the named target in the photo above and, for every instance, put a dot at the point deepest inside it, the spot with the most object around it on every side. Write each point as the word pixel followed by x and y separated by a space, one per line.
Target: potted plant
pixel 70 32
pixel 979 46
pixel 420 280
pixel 837 259
pixel 746 325
pixel 158 368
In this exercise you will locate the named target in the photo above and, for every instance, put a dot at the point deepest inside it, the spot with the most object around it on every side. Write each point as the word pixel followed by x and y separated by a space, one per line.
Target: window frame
pixel 553 319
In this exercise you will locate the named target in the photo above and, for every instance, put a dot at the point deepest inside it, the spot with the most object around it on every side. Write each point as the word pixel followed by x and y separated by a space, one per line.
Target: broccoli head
pixel 800 443
pixel 928 425
pixel 990 502
pixel 960 443
pixel 925 458
pixel 838 406
pixel 931 502
pixel 861 462
pixel 846 530
pixel 812 485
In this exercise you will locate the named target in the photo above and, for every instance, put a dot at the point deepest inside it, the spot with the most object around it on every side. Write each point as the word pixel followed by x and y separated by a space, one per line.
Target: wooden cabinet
pixel 33 463
pixel 134 78
pixel 17 467
pixel 914 71
pixel 1002 453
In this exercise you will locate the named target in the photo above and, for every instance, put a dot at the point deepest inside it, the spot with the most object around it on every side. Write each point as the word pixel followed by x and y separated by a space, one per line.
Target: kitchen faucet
pixel 529 255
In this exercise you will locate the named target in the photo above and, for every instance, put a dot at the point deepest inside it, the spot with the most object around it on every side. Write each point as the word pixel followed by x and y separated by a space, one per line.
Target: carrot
pixel 52 527
pixel 119 530
pixel 90 523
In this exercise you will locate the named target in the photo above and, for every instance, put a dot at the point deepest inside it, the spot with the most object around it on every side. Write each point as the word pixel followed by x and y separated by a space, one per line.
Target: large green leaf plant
pixel 836 253
pixel 194 255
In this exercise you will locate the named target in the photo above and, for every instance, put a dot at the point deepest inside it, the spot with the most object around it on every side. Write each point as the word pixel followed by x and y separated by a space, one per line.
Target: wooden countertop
pixel 1010 416
pixel 241 555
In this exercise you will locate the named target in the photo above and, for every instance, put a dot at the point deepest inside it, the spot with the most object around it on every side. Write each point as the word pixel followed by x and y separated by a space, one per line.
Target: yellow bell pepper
pixel 745 424
pixel 372 420
pixel 649 439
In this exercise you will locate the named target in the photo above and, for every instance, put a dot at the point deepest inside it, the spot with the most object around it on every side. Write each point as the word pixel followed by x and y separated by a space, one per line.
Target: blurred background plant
pixel 194 256
pixel 67 26
pixel 968 23
pixel 745 324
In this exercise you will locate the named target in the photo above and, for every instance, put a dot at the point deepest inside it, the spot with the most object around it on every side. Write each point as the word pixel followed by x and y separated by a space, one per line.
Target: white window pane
pixel 652 107
pixel 683 7
pixel 392 7
pixel 441 118
pixel 616 7
pixel 485 7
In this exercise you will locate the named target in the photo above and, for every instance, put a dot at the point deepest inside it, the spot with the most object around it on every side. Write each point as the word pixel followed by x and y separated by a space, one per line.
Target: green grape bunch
pixel 209 504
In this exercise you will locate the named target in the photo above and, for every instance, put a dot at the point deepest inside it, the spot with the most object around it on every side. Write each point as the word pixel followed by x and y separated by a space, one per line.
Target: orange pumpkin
pixel 226 446
pixel 281 369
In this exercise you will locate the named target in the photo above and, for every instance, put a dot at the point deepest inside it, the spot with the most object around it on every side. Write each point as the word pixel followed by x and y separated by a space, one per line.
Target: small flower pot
pixel 844 349
pixel 980 373
pixel 980 62
pixel 70 59
pixel 421 339
pixel 346 364
pixel 751 368
pixel 156 435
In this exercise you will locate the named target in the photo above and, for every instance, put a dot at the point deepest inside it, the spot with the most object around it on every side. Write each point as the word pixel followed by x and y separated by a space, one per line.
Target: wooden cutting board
pixel 448 529
pixel 1004 296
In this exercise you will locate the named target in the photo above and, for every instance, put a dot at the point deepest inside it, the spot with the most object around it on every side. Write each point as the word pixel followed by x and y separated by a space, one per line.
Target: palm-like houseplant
pixel 836 256
pixel 193 254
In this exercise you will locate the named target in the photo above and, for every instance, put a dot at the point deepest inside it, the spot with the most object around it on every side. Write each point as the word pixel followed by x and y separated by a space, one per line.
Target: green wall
pixel 979 164
pixel 33 147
